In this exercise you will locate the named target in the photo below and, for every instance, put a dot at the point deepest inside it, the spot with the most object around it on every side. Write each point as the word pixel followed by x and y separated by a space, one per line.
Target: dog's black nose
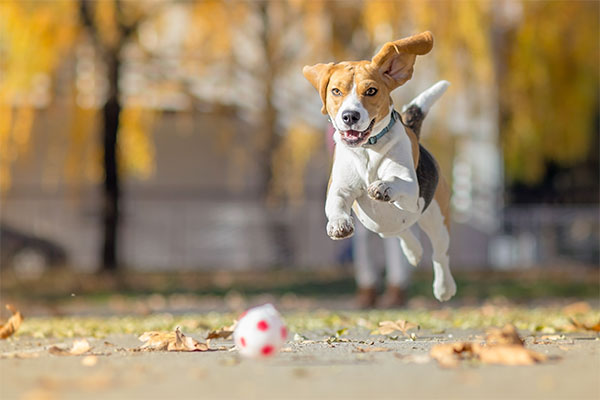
pixel 350 117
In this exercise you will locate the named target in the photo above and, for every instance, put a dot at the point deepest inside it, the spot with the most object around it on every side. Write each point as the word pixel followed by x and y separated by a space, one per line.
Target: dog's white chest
pixel 359 168
pixel 368 165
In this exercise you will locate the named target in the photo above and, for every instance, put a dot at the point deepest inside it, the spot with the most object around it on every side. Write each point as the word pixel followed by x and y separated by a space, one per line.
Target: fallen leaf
pixel 507 354
pixel 506 335
pixel 341 332
pixel 387 327
pixel 170 341
pixel 79 347
pixel 503 346
pixel 586 327
pixel 13 323
pixel 580 307
pixel 552 337
pixel 222 333
pixel 449 355
pixel 371 349
pixel 335 339
pixel 58 351
pixel 299 338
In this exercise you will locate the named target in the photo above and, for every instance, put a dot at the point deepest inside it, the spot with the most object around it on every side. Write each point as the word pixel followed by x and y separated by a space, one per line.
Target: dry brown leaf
pixel 586 327
pixel 506 335
pixel 507 354
pixel 580 307
pixel 221 333
pixel 552 337
pixel 504 346
pixel 171 341
pixel 58 351
pixel 155 340
pixel 387 327
pixel 79 347
pixel 371 349
pixel 13 323
pixel 448 355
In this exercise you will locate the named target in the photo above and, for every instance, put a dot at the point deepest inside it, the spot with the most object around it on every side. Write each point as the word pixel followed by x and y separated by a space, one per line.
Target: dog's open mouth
pixel 354 138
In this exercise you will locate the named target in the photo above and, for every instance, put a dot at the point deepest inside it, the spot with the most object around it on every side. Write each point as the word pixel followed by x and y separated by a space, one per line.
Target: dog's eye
pixel 336 92
pixel 371 91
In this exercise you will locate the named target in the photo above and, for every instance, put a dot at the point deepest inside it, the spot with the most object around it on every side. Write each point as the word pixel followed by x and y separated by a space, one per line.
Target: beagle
pixel 380 170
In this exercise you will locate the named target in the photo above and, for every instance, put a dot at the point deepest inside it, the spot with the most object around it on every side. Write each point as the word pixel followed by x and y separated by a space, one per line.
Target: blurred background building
pixel 182 135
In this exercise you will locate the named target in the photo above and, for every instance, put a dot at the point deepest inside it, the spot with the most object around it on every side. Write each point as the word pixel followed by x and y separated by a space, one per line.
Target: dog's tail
pixel 414 112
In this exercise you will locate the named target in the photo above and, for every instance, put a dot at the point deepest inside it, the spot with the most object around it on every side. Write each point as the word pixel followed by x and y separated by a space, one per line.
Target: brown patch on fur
pixel 359 76
pixel 442 196
pixel 414 146
pixel 412 118
pixel 391 67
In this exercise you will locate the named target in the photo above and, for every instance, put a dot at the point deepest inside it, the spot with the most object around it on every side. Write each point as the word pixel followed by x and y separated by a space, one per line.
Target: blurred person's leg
pixel 398 273
pixel 364 269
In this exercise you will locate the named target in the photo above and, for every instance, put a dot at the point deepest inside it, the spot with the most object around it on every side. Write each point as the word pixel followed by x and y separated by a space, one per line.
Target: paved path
pixel 306 369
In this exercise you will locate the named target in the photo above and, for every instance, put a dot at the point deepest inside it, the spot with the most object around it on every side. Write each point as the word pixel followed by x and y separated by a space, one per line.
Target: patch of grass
pixel 545 319
pixel 56 287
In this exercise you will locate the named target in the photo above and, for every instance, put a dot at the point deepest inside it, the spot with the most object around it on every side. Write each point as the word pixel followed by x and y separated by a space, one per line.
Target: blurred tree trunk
pixel 109 260
pixel 110 211
pixel 277 229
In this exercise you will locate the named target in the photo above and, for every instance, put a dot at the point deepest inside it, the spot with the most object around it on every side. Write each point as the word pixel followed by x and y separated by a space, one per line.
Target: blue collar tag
pixel 373 139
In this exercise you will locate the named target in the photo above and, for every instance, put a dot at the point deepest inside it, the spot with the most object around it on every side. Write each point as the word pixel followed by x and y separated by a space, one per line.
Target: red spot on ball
pixel 283 333
pixel 243 341
pixel 242 315
pixel 262 325
pixel 266 350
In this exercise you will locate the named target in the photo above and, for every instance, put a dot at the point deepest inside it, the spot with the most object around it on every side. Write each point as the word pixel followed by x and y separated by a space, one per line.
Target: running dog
pixel 380 170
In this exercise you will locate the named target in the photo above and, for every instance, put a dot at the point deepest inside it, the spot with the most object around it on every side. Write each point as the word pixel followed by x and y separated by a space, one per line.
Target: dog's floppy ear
pixel 318 75
pixel 396 59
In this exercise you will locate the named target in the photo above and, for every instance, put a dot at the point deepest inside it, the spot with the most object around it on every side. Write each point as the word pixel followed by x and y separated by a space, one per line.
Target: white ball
pixel 260 332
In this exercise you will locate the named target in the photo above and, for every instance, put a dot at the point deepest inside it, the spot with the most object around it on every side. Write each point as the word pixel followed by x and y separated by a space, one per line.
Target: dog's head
pixel 356 94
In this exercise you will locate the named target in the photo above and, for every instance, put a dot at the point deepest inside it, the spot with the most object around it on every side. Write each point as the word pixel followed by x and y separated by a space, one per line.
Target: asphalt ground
pixel 317 365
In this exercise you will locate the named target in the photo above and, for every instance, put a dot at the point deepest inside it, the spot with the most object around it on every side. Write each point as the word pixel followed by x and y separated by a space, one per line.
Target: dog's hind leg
pixel 411 247
pixel 435 224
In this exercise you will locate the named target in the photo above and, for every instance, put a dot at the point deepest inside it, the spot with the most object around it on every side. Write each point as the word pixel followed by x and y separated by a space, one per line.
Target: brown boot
pixel 394 297
pixel 366 297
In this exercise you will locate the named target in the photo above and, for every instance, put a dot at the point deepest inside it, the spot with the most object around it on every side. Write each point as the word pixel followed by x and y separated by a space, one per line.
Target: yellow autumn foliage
pixel 550 92
pixel 136 150
pixel 291 158
pixel 546 78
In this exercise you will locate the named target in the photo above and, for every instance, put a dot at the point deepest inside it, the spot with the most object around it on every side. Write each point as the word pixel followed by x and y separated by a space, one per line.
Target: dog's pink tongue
pixel 353 133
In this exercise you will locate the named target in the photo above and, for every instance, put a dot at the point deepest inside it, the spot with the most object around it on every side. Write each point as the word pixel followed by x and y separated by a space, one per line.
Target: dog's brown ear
pixel 318 75
pixel 396 59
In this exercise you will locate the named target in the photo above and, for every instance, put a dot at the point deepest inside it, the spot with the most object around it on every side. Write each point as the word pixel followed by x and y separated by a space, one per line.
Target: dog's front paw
pixel 340 228
pixel 379 191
